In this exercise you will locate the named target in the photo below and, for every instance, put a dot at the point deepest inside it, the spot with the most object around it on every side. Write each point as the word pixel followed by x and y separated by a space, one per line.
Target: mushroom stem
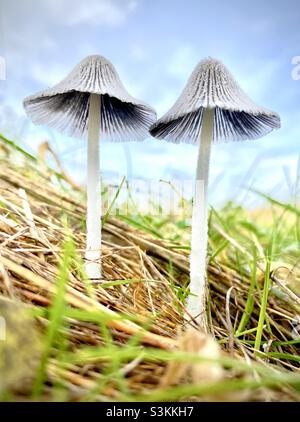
pixel 93 222
pixel 196 305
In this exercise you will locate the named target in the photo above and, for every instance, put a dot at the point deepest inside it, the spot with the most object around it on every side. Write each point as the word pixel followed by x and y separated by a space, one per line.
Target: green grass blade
pixel 56 316
pixel 250 298
pixel 263 308
pixel 107 214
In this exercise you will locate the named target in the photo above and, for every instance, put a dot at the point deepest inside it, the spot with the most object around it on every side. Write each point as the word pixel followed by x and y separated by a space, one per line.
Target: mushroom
pixel 89 102
pixel 212 108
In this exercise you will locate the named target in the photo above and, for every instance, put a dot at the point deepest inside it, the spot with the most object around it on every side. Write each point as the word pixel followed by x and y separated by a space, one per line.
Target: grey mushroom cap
pixel 65 106
pixel 211 86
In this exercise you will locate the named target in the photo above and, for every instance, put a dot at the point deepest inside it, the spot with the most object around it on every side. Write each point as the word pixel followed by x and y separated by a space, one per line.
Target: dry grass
pixel 140 302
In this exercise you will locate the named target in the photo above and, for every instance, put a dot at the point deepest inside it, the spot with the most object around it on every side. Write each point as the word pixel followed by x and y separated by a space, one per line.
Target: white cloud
pixel 138 53
pixel 182 61
pixel 166 101
pixel 46 74
pixel 35 15
pixel 258 81
pixel 94 12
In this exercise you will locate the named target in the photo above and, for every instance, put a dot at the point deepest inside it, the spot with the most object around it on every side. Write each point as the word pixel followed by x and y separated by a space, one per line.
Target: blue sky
pixel 155 45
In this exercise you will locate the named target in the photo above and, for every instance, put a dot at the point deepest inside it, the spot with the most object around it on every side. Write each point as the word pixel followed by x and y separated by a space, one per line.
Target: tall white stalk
pixel 196 304
pixel 93 221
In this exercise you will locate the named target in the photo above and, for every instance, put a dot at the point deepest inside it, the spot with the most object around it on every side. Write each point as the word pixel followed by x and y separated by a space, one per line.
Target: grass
pixel 263 308
pixel 114 341
pixel 53 336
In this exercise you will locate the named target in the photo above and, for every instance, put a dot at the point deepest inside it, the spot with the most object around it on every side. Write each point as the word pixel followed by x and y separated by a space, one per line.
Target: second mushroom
pixel 212 108
pixel 92 102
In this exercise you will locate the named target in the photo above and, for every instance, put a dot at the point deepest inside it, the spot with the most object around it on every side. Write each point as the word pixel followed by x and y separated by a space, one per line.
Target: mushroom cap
pixel 212 86
pixel 65 106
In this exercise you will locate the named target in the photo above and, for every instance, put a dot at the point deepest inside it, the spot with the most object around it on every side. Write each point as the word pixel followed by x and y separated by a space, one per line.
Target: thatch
pixel 34 213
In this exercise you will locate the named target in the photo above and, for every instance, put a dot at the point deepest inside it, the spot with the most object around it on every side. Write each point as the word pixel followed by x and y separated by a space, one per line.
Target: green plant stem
pixel 263 308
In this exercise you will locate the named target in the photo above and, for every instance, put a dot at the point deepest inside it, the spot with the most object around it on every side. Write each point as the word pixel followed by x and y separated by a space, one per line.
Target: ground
pixel 118 339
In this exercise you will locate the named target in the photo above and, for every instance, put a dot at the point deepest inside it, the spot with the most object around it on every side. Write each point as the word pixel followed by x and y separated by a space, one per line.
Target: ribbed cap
pixel 65 106
pixel 211 85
